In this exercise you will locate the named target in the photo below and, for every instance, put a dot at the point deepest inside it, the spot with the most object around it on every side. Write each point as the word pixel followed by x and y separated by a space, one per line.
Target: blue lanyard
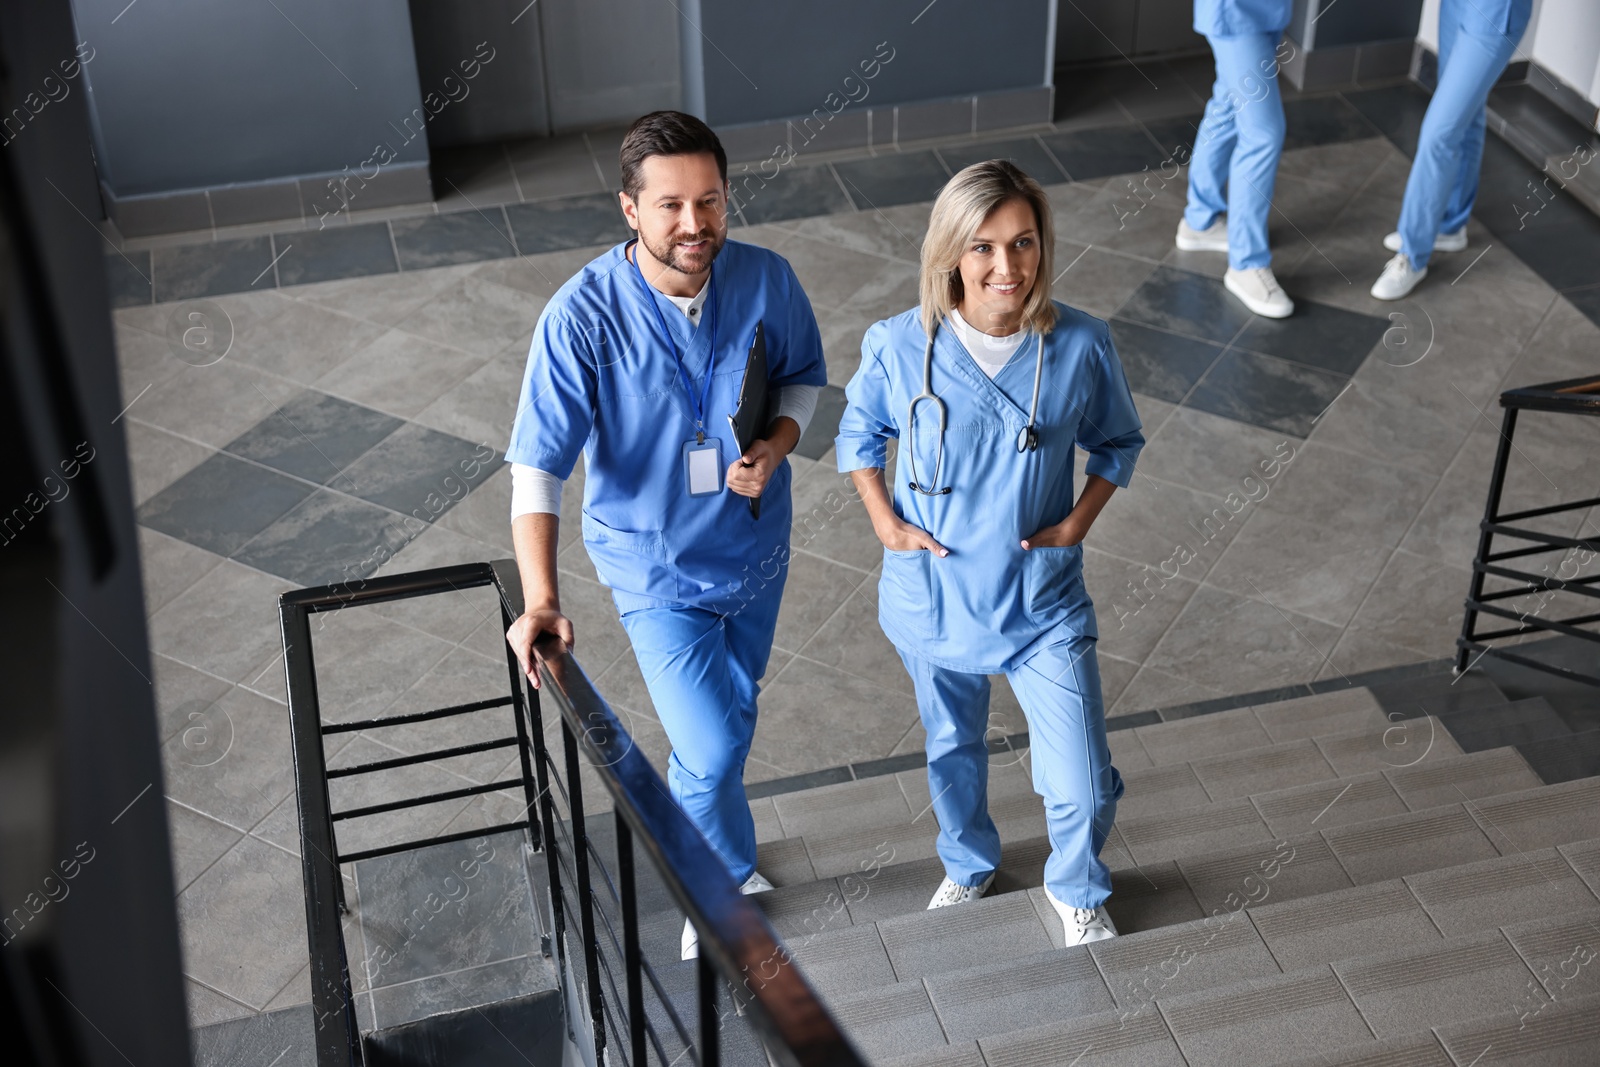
pixel 698 404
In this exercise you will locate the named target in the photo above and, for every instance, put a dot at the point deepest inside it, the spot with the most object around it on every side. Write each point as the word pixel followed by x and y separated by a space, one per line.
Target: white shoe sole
pixel 1199 243
pixel 1445 242
pixel 1260 307
pixel 1400 294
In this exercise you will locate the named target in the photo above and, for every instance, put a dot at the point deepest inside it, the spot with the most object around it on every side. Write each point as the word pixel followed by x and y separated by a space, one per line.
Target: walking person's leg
pixel 1208 172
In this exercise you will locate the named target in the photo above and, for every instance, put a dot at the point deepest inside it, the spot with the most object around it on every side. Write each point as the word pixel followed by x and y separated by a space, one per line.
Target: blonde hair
pixel 965 201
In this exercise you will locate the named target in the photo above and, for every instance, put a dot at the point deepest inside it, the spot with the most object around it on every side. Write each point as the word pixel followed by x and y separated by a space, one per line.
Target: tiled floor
pixel 369 373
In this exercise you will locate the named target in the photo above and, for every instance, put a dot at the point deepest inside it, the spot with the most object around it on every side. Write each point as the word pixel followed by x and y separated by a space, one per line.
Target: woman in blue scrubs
pixel 1476 40
pixel 982 563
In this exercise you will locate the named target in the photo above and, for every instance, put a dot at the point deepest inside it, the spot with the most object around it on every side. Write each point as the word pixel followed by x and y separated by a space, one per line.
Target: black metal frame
pixel 1578 396
pixel 735 938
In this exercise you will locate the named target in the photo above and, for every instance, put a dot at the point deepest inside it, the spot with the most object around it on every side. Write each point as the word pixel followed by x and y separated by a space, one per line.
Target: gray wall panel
pixel 610 61
pixel 506 98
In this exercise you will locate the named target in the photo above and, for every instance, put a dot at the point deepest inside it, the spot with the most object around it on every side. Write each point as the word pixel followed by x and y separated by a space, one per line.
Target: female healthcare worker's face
pixel 682 211
pixel 998 268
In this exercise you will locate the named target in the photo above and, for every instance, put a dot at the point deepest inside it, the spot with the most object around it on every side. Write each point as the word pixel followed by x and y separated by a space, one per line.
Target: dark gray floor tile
pixel 1217 826
pixel 1266 391
pixel 1585 300
pixel 1412 1050
pixel 796 782
pixel 314 436
pixel 1411 989
pixel 1482 896
pixel 289 1034
pixel 327 538
pixel 1343 925
pixel 357 251
pixel 461 990
pixel 885 181
pixel 1394 110
pixel 1317 335
pixel 421 472
pixel 1564 1034
pixel 128 279
pixel 824 424
pixel 222 504
pixel 1160 364
pixel 1561 951
pixel 1324 805
pixel 1025 152
pixel 1148 897
pixel 1284 765
pixel 1186 303
pixel 1179 131
pixel 570 222
pixel 453 237
pixel 1287 869
pixel 1468 777
pixel 890 1020
pixel 184 272
pixel 1564 759
pixel 1019 993
pixel 1494 726
pixel 1089 154
pixel 794 193
pixel 1158 964
pixel 1313 120
pixel 1435 694
pixel 1539 818
pixel 1409 844
pixel 1264 1021
pixel 1108 1039
pixel 842 960
pixel 963 936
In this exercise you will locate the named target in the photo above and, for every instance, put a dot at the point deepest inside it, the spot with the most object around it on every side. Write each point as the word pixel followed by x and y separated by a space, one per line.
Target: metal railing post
pixel 580 865
pixel 1491 515
pixel 710 1044
pixel 530 794
pixel 632 960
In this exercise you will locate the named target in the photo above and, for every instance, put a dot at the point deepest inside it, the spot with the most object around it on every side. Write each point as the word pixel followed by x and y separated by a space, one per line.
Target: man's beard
pixel 672 254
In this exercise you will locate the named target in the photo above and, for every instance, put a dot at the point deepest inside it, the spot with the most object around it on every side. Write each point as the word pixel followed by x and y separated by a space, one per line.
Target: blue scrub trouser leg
pixel 702 670
pixel 1234 165
pixel 1443 183
pixel 955 713
pixel 1059 690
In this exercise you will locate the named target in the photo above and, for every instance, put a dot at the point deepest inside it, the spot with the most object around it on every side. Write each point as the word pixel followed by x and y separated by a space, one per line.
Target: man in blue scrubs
pixel 1234 165
pixel 637 362
pixel 1476 39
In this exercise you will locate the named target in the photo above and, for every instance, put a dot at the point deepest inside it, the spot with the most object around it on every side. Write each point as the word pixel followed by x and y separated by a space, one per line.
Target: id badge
pixel 702 466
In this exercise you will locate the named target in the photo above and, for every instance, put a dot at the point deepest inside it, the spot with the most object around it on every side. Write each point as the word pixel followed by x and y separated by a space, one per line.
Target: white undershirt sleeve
pixel 534 492
pixel 798 402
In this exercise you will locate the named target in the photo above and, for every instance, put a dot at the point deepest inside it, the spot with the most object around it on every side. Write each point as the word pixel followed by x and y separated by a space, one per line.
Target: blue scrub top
pixel 601 379
pixel 1230 18
pixel 981 608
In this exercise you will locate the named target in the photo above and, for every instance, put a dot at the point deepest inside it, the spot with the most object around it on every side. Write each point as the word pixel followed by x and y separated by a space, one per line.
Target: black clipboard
pixel 750 420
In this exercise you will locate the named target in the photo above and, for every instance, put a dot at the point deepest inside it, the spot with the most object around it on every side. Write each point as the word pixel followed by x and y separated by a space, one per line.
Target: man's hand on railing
pixel 529 625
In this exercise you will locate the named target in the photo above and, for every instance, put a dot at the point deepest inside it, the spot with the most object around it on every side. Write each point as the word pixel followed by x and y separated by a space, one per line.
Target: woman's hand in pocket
pixel 1063 534
pixel 904 537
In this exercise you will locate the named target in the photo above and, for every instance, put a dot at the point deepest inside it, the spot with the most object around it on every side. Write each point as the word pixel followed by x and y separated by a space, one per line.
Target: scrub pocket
pixel 1049 577
pixel 634 561
pixel 905 592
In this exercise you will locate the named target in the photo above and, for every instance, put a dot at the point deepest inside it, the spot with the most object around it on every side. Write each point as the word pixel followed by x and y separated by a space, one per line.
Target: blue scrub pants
pixel 1235 161
pixel 1058 687
pixel 1444 175
pixel 702 670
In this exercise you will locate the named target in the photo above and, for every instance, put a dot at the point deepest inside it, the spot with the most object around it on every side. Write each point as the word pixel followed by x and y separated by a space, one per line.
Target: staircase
pixel 1349 877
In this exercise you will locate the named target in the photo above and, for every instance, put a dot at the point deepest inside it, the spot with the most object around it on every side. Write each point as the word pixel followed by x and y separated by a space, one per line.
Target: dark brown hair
pixel 665 133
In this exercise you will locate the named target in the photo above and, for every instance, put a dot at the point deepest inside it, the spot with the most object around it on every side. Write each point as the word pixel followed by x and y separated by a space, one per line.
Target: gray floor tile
pixel 158 458
pixel 795 193
pixel 226 621
pixel 1155 790
pixel 1089 154
pixel 1560 1035
pixel 1283 649
pixel 1202 736
pixel 327 538
pixel 1167 963
pixel 1264 1021
pixel 1144 898
pixel 1316 335
pixel 1408 844
pixel 1222 825
pixel 1344 925
pixel 1469 777
pixel 460 990
pixel 890 180
pixel 1098 280
pixel 420 472
pixel 1405 991
pixel 1159 363
pixel 243 923
pixel 1288 869
pixel 259 1037
pixel 1310 569
pixel 1402 745
pixel 1481 896
pixel 452 237
pixel 1265 391
pixel 185 272
pixel 571 222
pixel 168 566
pixel 843 959
pixel 1186 304
pixel 890 1020
pixel 1025 152
pixel 1539 818
pixel 963 936
pixel 232 761
pixel 197 843
pixel 1284 765
pixel 1109 1039
pixel 1323 485
pixel 221 504
pixel 315 437
pixel 1324 805
pixel 336 252
pixel 1019 993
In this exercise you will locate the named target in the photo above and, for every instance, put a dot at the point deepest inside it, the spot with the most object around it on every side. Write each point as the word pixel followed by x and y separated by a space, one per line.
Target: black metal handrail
pixel 1576 396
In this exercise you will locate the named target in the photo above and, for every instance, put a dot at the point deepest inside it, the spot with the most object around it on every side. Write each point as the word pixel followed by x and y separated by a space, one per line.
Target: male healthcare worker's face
pixel 999 266
pixel 682 211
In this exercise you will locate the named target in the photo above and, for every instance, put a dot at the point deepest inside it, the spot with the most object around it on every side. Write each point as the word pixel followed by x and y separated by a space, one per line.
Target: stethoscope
pixel 1027 437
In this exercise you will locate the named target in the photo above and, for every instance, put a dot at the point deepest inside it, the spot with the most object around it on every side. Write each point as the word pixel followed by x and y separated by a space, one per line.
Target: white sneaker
pixel 1257 289
pixel 1083 924
pixel 691 940
pixel 1213 238
pixel 1398 278
pixel 950 893
pixel 1444 242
